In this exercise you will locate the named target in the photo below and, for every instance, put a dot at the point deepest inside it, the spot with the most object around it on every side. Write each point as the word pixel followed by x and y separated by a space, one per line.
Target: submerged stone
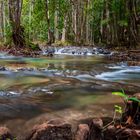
pixel 2 68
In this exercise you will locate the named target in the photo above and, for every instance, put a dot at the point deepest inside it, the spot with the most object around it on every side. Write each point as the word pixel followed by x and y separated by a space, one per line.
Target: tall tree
pixel 50 36
pixel 81 22
pixel 15 8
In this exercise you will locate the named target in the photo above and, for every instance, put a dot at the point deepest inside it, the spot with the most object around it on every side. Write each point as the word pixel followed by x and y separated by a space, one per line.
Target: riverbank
pixel 132 57
pixel 26 52
pixel 89 129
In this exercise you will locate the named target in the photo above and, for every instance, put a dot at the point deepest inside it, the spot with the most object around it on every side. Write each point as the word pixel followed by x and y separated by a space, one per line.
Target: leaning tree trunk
pixel 15 7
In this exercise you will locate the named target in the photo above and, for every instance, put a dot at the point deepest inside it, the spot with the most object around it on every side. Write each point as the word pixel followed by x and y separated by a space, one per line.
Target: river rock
pixel 2 68
pixel 50 51
pixel 109 134
pixel 128 134
pixel 132 57
pixel 137 95
pixel 113 133
pixel 25 69
pixel 47 131
pixel 75 50
pixel 5 134
pixel 82 133
pixel 133 63
pixel 95 132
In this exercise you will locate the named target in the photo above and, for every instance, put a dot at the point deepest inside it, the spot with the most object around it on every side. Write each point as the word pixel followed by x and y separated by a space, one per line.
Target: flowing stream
pixel 64 86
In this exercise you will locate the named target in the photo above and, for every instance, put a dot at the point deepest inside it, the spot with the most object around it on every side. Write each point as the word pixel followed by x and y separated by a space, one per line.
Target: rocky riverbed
pixel 132 57
pixel 71 88
pixel 74 50
pixel 86 129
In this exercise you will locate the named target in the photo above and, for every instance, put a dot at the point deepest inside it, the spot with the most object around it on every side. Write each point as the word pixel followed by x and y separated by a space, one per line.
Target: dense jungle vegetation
pixel 79 22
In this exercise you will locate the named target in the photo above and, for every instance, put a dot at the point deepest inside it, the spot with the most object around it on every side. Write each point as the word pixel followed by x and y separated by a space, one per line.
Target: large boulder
pixel 95 132
pixel 113 133
pixel 51 131
pixel 50 51
pixel 82 132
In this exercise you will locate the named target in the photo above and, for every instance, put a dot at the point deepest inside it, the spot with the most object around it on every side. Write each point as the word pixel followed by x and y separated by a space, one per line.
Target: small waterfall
pixel 59 50
pixel 76 51
pixel 4 55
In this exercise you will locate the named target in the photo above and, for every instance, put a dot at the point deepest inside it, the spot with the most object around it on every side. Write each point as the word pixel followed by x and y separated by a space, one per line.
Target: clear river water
pixel 69 87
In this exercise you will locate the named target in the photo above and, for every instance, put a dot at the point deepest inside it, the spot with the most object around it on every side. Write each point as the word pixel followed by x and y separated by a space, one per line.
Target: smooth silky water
pixel 68 87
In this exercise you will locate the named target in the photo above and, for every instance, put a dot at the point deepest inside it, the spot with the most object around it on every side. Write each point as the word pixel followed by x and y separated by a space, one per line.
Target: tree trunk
pixel 101 25
pixel 1 20
pixel 108 34
pixel 31 7
pixel 50 40
pixel 63 39
pixel 15 7
pixel 132 27
pixel 56 26
pixel 87 23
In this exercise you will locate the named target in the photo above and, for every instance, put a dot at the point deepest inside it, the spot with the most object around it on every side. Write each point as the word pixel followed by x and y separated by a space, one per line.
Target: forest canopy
pixel 80 22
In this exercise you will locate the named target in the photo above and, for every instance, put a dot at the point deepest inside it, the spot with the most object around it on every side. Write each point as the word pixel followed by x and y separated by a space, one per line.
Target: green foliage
pixel 33 46
pixel 121 94
pixel 103 19
pixel 134 99
pixel 126 97
pixel 118 109
pixel 123 23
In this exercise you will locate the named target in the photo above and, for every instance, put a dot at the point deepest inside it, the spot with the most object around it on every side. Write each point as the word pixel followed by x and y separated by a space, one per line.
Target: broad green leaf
pixel 134 99
pixel 120 94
